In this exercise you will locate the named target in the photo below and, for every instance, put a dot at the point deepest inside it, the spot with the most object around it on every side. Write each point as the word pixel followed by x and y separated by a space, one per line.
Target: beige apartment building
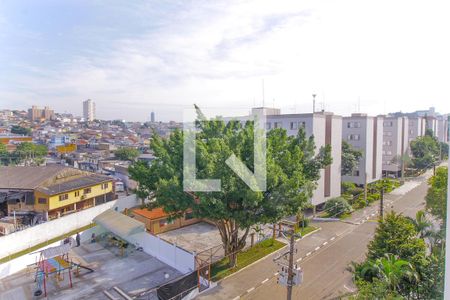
pixel 365 133
pixel 327 130
pixel 38 114
pixel 395 143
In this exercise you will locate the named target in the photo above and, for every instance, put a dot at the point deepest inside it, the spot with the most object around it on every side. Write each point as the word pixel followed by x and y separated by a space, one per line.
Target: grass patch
pixel 220 269
pixel 306 230
pixel 38 246
pixel 345 216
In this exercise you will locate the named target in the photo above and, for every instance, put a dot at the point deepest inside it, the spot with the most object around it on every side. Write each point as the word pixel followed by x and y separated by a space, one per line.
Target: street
pixel 324 256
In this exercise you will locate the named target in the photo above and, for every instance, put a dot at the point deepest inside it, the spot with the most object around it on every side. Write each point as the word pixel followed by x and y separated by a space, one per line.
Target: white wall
pixel 170 254
pixel 21 240
pixel 21 263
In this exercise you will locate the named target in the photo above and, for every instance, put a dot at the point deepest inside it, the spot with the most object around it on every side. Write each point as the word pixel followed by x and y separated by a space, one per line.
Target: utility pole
pixel 382 200
pixel 290 275
pixel 290 282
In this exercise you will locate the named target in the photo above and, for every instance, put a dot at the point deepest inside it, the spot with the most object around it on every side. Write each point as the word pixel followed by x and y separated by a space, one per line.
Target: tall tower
pixel 89 110
pixel 152 117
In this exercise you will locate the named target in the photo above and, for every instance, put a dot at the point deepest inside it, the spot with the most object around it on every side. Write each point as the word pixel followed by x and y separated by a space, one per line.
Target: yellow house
pixel 54 190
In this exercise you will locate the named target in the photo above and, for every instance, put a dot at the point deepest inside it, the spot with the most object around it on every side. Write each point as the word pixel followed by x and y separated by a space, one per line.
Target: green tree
pixel 4 155
pixel 292 171
pixel 444 150
pixel 390 270
pixel 436 198
pixel 350 158
pixel 397 235
pixel 127 153
pixel 422 224
pixel 425 151
pixel 338 206
pixel 16 129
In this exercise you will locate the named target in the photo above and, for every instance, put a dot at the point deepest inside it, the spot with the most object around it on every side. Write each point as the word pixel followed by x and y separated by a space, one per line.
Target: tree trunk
pixel 232 243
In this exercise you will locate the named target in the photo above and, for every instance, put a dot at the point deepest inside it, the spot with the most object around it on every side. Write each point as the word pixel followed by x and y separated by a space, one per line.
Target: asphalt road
pixel 324 256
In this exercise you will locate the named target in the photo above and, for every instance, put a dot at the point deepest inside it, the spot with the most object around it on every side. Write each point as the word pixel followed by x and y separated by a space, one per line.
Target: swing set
pixel 55 261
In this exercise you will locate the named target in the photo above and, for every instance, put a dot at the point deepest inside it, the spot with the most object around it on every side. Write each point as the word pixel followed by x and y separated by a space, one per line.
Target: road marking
pixel 276 274
pixel 324 243
pixel 317 248
pixel 349 289
pixel 265 280
pixel 332 238
pixel 250 290
pixel 237 298
pixel 300 259
pixel 308 254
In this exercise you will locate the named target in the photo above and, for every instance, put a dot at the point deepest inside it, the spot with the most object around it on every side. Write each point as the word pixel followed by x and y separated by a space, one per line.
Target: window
pixel 104 186
pixel 63 197
pixel 42 200
pixel 165 222
pixel 277 125
pixel 356 173
pixel 353 124
pixel 87 191
pixel 388 133
pixel 77 193
pixel 268 125
pixel 388 123
pixel 353 137
pixel 294 125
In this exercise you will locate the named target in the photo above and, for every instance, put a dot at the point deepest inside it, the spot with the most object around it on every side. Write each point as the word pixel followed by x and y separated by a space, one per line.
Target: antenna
pixel 314 103
pixel 263 96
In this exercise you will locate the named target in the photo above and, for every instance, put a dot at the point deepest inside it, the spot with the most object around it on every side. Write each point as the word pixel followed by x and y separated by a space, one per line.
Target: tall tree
pixel 398 236
pixel 425 151
pixel 436 199
pixel 292 171
pixel 16 129
pixel 127 153
pixel 350 158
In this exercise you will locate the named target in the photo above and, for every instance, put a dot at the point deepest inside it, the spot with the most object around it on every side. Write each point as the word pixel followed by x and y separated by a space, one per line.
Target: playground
pixel 91 271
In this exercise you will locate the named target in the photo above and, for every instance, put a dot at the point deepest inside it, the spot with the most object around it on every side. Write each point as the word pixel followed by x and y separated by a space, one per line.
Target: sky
pixel 134 57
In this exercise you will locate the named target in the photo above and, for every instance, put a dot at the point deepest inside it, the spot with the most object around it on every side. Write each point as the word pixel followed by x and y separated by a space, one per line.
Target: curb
pixel 265 257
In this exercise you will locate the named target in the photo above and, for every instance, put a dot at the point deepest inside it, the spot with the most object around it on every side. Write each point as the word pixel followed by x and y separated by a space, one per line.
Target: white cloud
pixel 216 54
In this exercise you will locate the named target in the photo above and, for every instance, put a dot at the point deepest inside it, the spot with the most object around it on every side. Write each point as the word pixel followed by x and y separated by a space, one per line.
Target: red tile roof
pixel 154 214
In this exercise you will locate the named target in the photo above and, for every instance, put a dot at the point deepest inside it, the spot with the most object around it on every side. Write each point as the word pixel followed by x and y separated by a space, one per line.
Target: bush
pixel 335 207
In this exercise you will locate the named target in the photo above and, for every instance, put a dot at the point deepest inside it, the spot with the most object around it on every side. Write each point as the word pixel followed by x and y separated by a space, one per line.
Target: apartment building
pixel 416 127
pixel 52 191
pixel 443 134
pixel 366 134
pixel 395 143
pixel 327 130
pixel 38 114
pixel 89 110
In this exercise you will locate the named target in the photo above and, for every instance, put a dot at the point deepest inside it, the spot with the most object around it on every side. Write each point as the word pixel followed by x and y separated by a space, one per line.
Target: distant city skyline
pixel 135 58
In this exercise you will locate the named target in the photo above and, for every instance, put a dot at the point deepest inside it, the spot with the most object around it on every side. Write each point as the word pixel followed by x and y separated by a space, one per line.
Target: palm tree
pixel 391 270
pixel 422 225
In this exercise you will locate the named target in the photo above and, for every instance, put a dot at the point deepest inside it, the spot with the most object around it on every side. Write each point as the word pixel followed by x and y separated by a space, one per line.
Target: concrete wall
pixel 22 262
pixel 170 254
pixel 41 233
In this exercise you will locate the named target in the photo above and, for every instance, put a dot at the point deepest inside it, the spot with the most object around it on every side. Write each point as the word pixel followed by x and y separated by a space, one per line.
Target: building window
pixel 268 125
pixel 353 124
pixel 388 123
pixel 63 197
pixel 356 173
pixel 87 191
pixel 42 200
pixel 353 137
pixel 294 125
pixel 277 125
pixel 77 193
pixel 104 186
pixel 388 133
